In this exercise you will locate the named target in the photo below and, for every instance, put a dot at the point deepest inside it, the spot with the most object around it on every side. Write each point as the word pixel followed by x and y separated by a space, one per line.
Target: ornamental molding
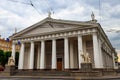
pixel 73 33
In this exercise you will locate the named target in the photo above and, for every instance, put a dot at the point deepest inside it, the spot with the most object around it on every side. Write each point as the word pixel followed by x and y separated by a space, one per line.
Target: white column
pixel 96 51
pixel 54 54
pixel 13 51
pixel 38 57
pixel 31 63
pixel 71 55
pixel 42 57
pixel 101 56
pixel 80 50
pixel 66 54
pixel 21 56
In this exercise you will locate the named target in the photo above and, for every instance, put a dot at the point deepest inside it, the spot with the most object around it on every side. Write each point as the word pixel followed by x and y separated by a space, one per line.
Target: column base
pixel 42 69
pixel 66 69
pixel 53 69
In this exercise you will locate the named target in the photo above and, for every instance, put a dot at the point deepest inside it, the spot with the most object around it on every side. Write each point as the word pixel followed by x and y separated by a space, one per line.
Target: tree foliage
pixel 2 60
pixel 4 56
pixel 7 54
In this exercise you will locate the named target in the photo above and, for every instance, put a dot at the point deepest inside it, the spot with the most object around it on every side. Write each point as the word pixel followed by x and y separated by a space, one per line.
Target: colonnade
pixel 54 60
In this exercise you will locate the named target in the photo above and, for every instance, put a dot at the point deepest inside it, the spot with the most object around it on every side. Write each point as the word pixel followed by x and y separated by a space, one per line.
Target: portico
pixel 45 53
pixel 59 44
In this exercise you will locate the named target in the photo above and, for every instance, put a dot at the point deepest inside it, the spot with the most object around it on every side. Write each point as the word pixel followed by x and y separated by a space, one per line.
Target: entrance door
pixel 59 63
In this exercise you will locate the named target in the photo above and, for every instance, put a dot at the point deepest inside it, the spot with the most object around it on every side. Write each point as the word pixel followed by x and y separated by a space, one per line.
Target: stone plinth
pixel 9 70
pixel 86 66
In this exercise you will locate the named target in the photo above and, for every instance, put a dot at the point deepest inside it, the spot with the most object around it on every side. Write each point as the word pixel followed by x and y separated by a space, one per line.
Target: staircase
pixel 41 73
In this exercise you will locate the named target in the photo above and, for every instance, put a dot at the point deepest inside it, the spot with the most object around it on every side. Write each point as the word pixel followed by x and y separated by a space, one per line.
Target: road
pixel 32 79
pixel 49 79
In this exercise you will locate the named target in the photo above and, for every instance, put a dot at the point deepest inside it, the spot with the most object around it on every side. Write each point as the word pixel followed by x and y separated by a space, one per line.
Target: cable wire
pixel 31 4
pixel 20 2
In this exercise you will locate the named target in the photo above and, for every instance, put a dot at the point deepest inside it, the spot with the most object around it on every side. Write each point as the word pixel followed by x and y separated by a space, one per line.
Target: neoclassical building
pixel 58 44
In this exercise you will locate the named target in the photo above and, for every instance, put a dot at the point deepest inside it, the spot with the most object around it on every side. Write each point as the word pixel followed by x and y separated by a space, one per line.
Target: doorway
pixel 59 63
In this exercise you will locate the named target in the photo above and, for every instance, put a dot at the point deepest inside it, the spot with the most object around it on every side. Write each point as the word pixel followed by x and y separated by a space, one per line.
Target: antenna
pixel 93 16
pixel 49 16
pixel 20 2
pixel 34 6
pixel 15 30
pixel 100 9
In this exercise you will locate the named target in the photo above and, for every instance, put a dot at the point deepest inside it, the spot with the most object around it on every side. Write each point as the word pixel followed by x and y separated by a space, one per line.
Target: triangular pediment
pixel 49 25
pixel 47 28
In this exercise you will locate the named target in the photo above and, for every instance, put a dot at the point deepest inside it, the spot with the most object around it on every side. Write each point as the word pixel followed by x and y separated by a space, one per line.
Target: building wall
pixel 93 40
pixel 106 58
pixel 7 46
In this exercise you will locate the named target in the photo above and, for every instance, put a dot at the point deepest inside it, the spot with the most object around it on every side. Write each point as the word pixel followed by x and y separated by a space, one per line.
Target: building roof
pixel 50 25
pixel 50 21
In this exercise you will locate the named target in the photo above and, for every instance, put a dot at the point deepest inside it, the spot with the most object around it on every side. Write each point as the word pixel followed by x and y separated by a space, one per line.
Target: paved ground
pixel 101 79
pixel 31 79
pixel 55 78
pixel 12 78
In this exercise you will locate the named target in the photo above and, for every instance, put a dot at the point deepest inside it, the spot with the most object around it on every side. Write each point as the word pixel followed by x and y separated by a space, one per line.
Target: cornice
pixel 73 33
pixel 58 32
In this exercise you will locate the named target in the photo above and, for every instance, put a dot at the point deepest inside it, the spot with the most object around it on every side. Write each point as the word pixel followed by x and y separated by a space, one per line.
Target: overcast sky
pixel 13 13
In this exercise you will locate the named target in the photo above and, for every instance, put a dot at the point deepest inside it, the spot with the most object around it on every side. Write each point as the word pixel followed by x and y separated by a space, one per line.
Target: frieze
pixel 59 35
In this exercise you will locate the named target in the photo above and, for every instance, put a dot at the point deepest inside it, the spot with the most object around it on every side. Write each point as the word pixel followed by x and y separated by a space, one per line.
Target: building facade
pixel 59 44
pixel 7 45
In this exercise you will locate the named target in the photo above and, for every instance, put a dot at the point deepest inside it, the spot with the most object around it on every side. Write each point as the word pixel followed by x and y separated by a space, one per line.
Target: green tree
pixel 2 58
pixel 7 54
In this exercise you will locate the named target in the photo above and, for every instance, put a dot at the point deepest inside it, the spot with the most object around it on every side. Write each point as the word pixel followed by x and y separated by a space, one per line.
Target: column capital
pixel 32 41
pixel 94 33
pixel 53 39
pixel 65 37
pixel 80 35
pixel 22 42
pixel 42 40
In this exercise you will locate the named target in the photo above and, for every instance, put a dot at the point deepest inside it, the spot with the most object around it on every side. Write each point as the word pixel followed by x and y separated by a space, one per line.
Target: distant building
pixel 7 45
pixel 118 54
pixel 58 44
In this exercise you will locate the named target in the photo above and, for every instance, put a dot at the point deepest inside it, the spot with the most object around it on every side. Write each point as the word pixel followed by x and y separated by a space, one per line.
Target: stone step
pixel 41 73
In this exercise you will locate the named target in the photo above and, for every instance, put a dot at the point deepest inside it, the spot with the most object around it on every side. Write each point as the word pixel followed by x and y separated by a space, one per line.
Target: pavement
pixel 35 78
pixel 57 78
